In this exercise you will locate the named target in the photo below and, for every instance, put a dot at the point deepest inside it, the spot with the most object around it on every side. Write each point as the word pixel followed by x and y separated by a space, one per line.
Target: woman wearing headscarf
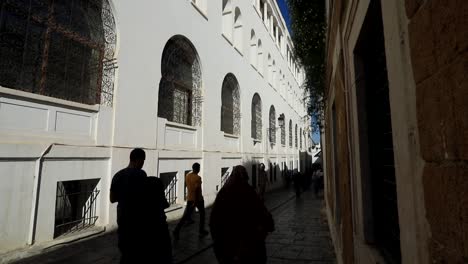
pixel 239 222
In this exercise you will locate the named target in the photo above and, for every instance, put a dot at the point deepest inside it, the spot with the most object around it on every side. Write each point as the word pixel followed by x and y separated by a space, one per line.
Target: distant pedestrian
pixel 127 190
pixel 262 181
pixel 157 245
pixel 298 182
pixel 240 222
pixel 194 199
pixel 318 180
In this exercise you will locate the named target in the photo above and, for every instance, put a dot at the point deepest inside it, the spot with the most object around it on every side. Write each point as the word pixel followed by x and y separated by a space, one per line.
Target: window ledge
pixel 178 125
pixel 173 207
pixel 204 15
pixel 230 135
pixel 226 38
pixel 47 99
pixel 255 141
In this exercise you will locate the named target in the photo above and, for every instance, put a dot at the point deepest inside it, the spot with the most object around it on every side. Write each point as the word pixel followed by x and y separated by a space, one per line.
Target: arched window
pixel 290 134
pixel 71 58
pixel 283 86
pixel 256 122
pixel 272 122
pixel 269 69
pixel 260 57
pixel 180 86
pixel 274 75
pixel 227 19
pixel 295 133
pixel 283 132
pixel 300 138
pixel 230 105
pixel 238 37
pixel 253 49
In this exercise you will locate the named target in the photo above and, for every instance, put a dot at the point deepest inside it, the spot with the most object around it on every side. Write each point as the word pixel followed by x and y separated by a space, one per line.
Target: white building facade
pixel 82 84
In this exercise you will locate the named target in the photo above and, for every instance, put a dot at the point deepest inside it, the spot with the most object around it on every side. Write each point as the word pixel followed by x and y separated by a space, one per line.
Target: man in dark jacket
pixel 126 190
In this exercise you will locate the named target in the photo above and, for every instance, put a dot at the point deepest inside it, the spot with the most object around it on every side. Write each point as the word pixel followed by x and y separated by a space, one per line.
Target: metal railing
pixel 171 191
pixel 225 178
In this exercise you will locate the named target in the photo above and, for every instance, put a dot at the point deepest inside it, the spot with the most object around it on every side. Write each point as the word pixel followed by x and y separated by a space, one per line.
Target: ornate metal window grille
pixel 295 133
pixel 283 134
pixel 63 49
pixel 290 134
pixel 230 105
pixel 110 60
pixel 180 95
pixel 256 122
pixel 272 121
pixel 75 206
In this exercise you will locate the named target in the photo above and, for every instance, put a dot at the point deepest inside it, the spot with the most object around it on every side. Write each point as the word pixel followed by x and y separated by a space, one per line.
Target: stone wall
pixel 439 51
pixel 339 183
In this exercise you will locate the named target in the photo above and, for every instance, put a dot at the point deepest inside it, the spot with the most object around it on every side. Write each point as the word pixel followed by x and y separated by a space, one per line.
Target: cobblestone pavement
pixel 300 237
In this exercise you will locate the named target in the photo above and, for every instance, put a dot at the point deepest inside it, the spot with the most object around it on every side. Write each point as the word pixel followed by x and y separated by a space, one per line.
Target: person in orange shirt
pixel 194 199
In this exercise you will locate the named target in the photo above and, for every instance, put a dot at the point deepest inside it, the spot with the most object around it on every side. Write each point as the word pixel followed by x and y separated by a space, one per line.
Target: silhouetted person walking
pixel 262 181
pixel 297 179
pixel 239 222
pixel 158 246
pixel 318 180
pixel 194 199
pixel 127 189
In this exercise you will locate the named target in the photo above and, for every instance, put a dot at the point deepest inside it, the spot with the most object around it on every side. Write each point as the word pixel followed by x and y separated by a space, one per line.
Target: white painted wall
pixel 71 141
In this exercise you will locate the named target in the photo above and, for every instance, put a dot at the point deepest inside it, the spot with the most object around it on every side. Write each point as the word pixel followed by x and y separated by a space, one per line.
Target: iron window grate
pixel 75 206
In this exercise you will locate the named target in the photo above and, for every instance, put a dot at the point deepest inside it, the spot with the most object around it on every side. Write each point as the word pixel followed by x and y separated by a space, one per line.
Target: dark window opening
pixel 224 175
pixel 256 121
pixel 53 48
pixel 230 112
pixel 75 206
pixel 180 86
pixel 169 180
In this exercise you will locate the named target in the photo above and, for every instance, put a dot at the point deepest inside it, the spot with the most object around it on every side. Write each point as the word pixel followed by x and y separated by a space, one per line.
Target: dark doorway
pixel 378 171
